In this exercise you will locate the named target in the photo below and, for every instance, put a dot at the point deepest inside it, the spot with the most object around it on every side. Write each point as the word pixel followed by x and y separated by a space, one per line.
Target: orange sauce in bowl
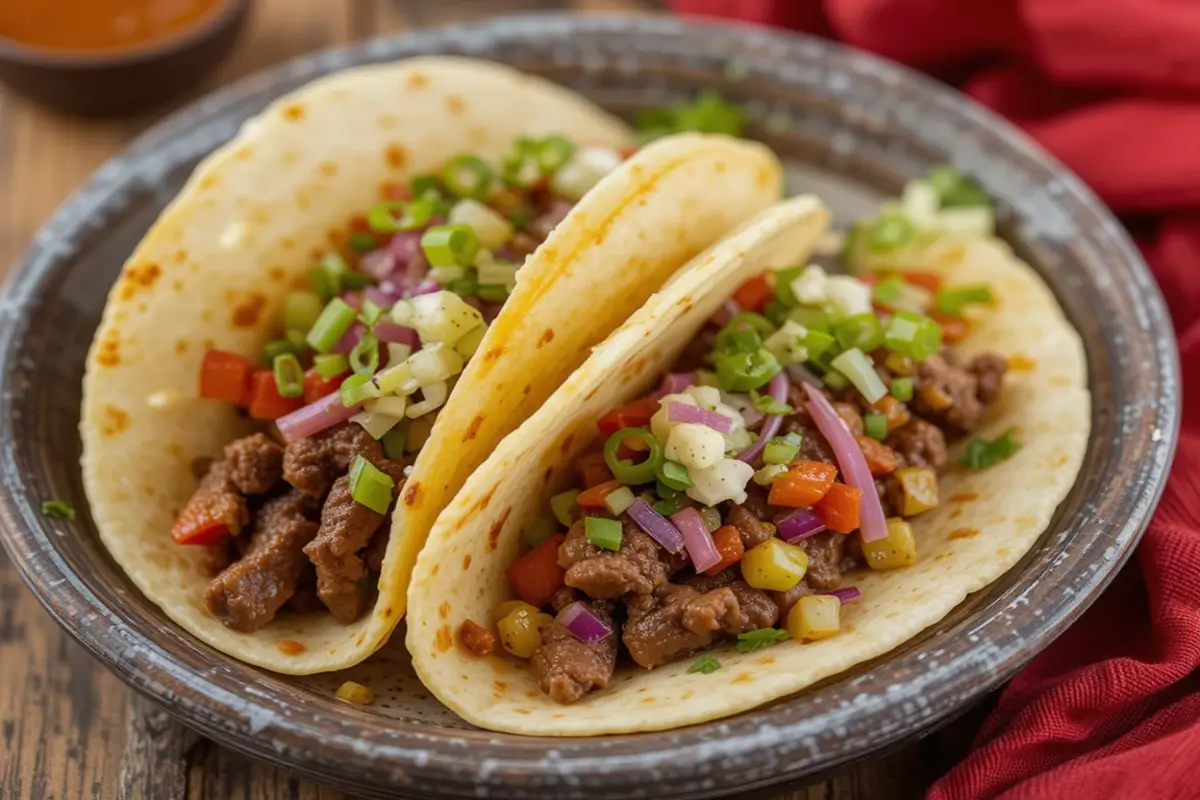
pixel 98 25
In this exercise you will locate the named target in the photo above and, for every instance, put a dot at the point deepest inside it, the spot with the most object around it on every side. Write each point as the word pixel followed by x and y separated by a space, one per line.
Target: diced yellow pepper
pixel 509 606
pixel 899 549
pixel 774 565
pixel 521 631
pixel 920 485
pixel 353 692
pixel 815 616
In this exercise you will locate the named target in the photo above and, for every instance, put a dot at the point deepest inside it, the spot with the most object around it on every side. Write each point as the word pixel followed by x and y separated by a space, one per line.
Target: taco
pixel 332 379
pixel 766 455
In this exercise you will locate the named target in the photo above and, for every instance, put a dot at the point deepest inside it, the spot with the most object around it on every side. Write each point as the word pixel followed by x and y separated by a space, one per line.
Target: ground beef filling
pixel 299 540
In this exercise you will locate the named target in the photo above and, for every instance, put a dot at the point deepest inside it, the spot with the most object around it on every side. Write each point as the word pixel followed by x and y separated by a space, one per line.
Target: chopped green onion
pixel 783 286
pixel 743 333
pixel 902 389
pixel 464 286
pixel 813 319
pixel 364 358
pixel 769 405
pixel 300 310
pixel 776 312
pixel 782 449
pixel 336 318
pixel 618 502
pixel 913 335
pixel 956 190
pixel 289 375
pixel 665 492
pixel 818 344
pixel 670 505
pixel 393 442
pixel 709 113
pixel 626 471
pixel 362 243
pixel 889 232
pixel 863 331
pixel 875 426
pixel 953 301
pixel 835 380
pixel 450 245
pixel 492 292
pixel 756 640
pixel 855 365
pixel 889 290
pixel 711 518
pixel 552 152
pixel 357 388
pixel 330 366
pixel 981 454
pixel 382 217
pixel 277 347
pixel 468 176
pixel 422 185
pixel 58 509
pixel 706 664
pixel 370 486
pixel 604 533
pixel 563 505
pixel 323 285
pixel 674 476
pixel 538 531
pixel 520 217
pixel 370 314
pixel 741 372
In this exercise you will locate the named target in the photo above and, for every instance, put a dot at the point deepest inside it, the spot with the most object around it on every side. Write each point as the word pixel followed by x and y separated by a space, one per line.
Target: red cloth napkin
pixel 1111 87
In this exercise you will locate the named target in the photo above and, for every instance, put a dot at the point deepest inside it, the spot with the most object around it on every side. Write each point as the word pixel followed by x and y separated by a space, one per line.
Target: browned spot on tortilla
pixel 412 494
pixel 148 490
pixel 493 354
pixel 287 243
pixel 1059 380
pixel 565 447
pixel 456 105
pixel 177 285
pixel 181 346
pixel 1002 552
pixel 955 513
pixel 767 660
pixel 362 637
pixel 473 428
pixel 719 168
pixel 1020 363
pixel 500 686
pixel 592 393
pixel 109 354
pixel 418 81
pixel 141 307
pixel 744 677
pixel 477 135
pixel 293 112
pixel 290 647
pixel 1026 522
pixel 547 337
pixel 276 273
pixel 243 153
pixel 763 176
pixel 525 392
pixel 436 569
pixel 525 711
pixel 466 562
pixel 115 421
pixel 548 475
pixel 964 497
pixel 138 277
pixel 558 716
pixel 633 368
pixel 209 344
pixel 963 533
pixel 444 640
pixel 247 312
pixel 495 530
pixel 649 701
pixel 388 121
pixel 688 695
pixel 329 168
pixel 388 611
pixel 444 610
pixel 1061 460
pixel 482 503
pixel 291 156
pixel 180 256
pixel 396 156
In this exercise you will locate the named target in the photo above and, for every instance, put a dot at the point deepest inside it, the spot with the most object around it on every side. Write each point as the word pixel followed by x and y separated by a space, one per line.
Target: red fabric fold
pixel 1111 87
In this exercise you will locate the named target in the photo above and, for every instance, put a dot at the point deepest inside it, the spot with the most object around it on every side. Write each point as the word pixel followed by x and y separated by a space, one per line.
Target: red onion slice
pixel 349 339
pixel 778 390
pixel 582 623
pixel 697 539
pixel 799 525
pixel 378 263
pixel 853 464
pixel 378 297
pixel 353 299
pixel 676 382
pixel 425 287
pixel 684 412
pixel 388 331
pixel 315 417
pixel 722 315
pixel 847 594
pixel 491 311
pixel 802 375
pixel 656 526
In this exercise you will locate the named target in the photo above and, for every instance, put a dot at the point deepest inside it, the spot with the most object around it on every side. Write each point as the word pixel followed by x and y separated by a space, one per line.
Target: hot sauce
pixel 90 25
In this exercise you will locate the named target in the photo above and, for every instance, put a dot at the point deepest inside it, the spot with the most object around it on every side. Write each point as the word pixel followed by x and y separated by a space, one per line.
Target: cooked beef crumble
pixel 313 463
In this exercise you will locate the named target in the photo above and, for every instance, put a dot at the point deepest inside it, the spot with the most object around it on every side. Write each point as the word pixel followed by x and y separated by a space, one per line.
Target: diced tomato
pixel 396 191
pixel 536 576
pixel 953 328
pixel 635 415
pixel 201 524
pixel 593 469
pixel 729 544
pixel 316 387
pixel 754 294
pixel 625 152
pixel 869 278
pixel 929 281
pixel 803 484
pixel 225 376
pixel 358 224
pixel 265 400
pixel 881 459
pixel 838 509
pixel 594 496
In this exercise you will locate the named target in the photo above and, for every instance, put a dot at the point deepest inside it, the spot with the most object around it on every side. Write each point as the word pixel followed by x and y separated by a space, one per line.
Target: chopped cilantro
pixel 58 509
pixel 757 640
pixel 705 665
pixel 981 454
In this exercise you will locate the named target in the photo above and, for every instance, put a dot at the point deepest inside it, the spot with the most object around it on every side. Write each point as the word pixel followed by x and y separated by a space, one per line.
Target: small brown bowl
pixel 121 81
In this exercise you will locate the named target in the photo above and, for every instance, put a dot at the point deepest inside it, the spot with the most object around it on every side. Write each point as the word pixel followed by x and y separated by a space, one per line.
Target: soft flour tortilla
pixel 213 270
pixel 986 522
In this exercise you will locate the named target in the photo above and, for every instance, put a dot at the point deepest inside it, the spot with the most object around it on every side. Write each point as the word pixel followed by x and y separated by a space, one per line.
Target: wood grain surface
pixel 69 729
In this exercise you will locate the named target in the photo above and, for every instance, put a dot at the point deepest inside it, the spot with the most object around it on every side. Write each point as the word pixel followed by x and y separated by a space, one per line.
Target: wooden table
pixel 68 728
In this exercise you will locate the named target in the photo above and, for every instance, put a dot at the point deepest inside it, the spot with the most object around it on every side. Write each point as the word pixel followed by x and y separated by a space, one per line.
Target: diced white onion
pixel 695 446
pixel 586 168
pixel 809 286
pixel 660 426
pixel 492 229
pixel 469 343
pixel 397 380
pixel 920 204
pixel 767 475
pixel 375 424
pixel 725 480
pixel 397 353
pixel 972 221
pixel 787 343
pixel 434 364
pixel 434 396
pixel 392 406
pixel 847 295
pixel 439 317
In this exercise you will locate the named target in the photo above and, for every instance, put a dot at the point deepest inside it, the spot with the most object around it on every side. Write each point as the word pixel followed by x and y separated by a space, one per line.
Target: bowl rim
pixel 33 56
pixel 326 754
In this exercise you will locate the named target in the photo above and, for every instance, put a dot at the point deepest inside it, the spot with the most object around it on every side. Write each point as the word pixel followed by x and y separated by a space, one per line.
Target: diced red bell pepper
pixel 593 469
pixel 839 508
pixel 953 328
pixel 265 400
pixel 929 281
pixel 635 415
pixel 881 459
pixel 594 497
pixel 728 540
pixel 802 485
pixel 316 387
pixel 754 294
pixel 536 576
pixel 225 376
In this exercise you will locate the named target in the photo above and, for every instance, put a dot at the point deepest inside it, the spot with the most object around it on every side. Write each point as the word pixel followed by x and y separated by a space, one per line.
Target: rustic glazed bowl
pixel 126 80
pixel 853 128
